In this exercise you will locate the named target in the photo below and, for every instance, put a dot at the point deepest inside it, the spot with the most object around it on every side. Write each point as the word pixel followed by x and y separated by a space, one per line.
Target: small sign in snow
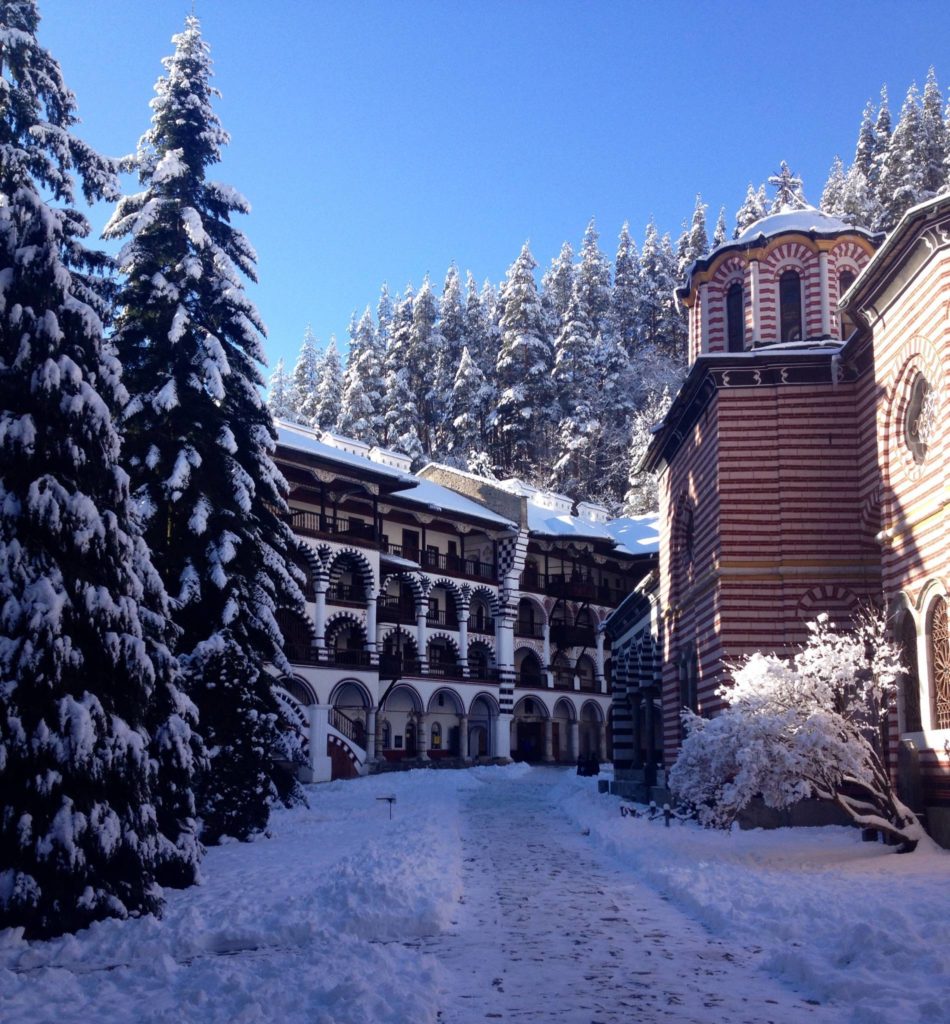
pixel 390 800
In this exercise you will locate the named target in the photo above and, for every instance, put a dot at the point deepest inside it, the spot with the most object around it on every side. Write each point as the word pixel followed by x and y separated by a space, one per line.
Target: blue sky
pixel 380 141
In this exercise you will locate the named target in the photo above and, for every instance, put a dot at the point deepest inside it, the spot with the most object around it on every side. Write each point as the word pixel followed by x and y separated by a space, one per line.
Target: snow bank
pixel 853 922
pixel 305 926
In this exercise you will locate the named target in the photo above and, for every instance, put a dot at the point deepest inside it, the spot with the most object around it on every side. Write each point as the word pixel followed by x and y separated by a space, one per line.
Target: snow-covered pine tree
pixel 882 139
pixel 329 391
pixel 642 491
pixel 934 133
pixel 88 688
pixel 452 333
pixel 832 196
pixel 857 203
pixel 400 414
pixel 556 287
pixel 753 208
pixel 424 355
pixel 491 317
pixel 477 330
pixel 617 390
pixel 901 182
pixel 304 379
pixel 788 190
pixel 866 146
pixel 362 383
pixel 695 242
pixel 673 322
pixel 719 234
pixel 660 322
pixel 199 438
pixel 278 393
pixel 592 282
pixel 524 367
pixel 625 296
pixel 384 320
pixel 468 411
pixel 575 385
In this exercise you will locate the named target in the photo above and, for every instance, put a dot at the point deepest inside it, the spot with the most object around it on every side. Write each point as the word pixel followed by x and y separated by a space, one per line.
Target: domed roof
pixel 787 219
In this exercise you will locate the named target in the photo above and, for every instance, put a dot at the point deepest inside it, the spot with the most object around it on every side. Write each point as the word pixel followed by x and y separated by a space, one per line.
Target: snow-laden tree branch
pixel 809 726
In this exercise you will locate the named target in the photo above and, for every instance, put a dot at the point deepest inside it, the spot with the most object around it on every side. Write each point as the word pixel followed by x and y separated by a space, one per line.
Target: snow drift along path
pixel 481 899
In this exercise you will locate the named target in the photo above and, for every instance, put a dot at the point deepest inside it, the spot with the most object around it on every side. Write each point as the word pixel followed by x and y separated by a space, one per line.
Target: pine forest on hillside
pixel 560 383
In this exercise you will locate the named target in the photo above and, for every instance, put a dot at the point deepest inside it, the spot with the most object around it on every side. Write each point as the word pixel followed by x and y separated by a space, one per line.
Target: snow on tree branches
pixel 808 726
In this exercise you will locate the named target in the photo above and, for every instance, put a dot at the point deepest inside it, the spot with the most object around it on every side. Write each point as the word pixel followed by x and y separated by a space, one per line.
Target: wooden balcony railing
pixel 346 593
pixel 572 636
pixel 395 609
pixel 316 524
pixel 347 657
pixel 442 617
pixel 525 627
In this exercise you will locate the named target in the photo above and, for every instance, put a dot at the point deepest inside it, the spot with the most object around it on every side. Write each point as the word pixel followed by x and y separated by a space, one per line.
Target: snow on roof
pixel 437 498
pixel 640 535
pixel 807 220
pixel 293 435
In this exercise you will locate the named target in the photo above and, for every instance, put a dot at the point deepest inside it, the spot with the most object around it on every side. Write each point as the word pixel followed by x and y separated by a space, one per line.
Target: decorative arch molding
pixel 460 592
pixel 362 563
pixel 339 620
pixel 441 635
pixel 538 702
pixel 828 597
pixel 538 604
pixel 490 597
pixel 732 269
pixel 934 587
pixel 593 710
pixel 414 698
pixel 534 647
pixel 490 702
pixel 304 620
pixel 917 357
pixel 389 628
pixel 416 583
pixel 298 688
pixel 319 555
pixel 364 693
pixel 482 642
pixel 569 707
pixel 458 705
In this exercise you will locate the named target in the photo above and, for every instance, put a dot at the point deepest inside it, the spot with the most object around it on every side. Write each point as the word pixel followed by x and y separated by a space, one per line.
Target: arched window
pixel 790 306
pixel 735 317
pixel 938 644
pixel 845 280
pixel 910 680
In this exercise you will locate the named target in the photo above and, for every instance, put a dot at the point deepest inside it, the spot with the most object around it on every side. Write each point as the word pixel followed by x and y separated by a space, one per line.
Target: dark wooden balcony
pixel 445 669
pixel 533 581
pixel 531 681
pixel 563 680
pixel 455 565
pixel 563 635
pixel 394 666
pixel 396 609
pixel 484 628
pixel 347 593
pixel 300 652
pixel 576 587
pixel 529 628
pixel 350 658
pixel 317 524
pixel 444 617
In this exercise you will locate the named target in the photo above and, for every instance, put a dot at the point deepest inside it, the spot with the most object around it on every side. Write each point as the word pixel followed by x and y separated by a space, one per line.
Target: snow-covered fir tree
pixel 400 413
pixel 833 194
pixel 199 438
pixel 592 282
pixel 96 744
pixel 424 358
pixel 934 138
pixel 625 296
pixel 642 493
pixel 453 341
pixel 384 319
pixel 901 182
pixel 753 208
pixel 694 242
pixel 468 411
pixel 477 328
pixel 575 386
pixel 788 190
pixel 719 233
pixel 866 147
pixel 557 284
pixel 524 371
pixel 279 394
pixel 329 393
pixel 362 383
pixel 304 379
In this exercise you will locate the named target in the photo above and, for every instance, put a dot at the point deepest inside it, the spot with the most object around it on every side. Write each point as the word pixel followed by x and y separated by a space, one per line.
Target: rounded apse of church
pixel 778 282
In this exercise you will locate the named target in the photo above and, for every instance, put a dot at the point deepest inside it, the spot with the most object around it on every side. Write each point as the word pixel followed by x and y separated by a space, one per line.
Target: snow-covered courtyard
pixel 516 894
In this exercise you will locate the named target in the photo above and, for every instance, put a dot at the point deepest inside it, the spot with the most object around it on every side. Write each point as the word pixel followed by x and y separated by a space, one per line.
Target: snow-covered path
pixel 552 931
